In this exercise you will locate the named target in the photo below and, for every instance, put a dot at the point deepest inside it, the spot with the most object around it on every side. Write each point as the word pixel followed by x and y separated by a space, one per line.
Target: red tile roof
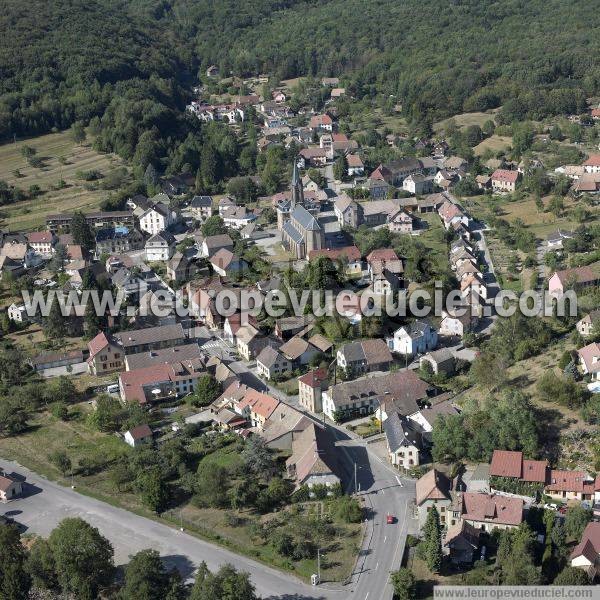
pixel 590 543
pixel 320 120
pixel 587 274
pixel 140 432
pixel 566 481
pixel 592 161
pixel 488 508
pixel 434 485
pixel 506 463
pixel 260 404
pixel 352 253
pixel 505 175
pixel 97 344
pixel 40 237
pixel 314 378
pixel 382 254
pixel 535 470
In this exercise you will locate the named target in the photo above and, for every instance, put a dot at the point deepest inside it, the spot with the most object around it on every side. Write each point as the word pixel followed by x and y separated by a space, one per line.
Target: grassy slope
pixel 31 214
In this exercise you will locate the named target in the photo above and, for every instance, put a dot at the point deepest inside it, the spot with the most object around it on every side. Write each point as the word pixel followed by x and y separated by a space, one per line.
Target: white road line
pixel 377 566
pixel 367 595
pixel 385 539
pixel 399 482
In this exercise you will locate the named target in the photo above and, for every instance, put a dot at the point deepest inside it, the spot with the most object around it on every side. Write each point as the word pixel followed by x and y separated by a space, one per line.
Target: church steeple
pixel 297 189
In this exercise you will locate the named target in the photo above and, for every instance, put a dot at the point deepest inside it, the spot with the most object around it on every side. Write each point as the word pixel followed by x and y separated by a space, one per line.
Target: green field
pixel 495 143
pixel 30 214
pixel 465 119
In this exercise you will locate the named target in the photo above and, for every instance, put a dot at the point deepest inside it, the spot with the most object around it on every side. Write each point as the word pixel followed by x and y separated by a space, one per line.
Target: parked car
pixel 550 506
pixel 391 519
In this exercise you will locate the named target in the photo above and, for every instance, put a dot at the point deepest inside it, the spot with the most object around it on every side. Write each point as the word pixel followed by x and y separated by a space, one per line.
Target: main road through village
pixel 47 503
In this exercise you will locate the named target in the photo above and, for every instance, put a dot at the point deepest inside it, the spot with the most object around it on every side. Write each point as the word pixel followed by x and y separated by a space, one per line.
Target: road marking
pixel 385 539
pixel 377 566
pixel 399 482
pixel 367 595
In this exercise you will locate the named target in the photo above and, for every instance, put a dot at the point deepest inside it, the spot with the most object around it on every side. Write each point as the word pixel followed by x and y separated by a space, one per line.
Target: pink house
pixel 577 278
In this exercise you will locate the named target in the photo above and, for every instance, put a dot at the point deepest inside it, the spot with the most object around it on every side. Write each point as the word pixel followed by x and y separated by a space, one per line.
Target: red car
pixel 391 520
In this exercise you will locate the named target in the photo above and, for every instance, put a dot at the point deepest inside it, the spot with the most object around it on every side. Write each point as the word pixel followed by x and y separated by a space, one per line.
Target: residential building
pixel 250 342
pixel 401 391
pixel 491 511
pixel 164 382
pixel 271 363
pixel 417 184
pixel 355 164
pixel 570 485
pixel 404 443
pixel 417 337
pixel 576 278
pixel 138 436
pixel 585 326
pixel 386 271
pixel 9 488
pixel 401 222
pixel 157 218
pixel 441 361
pixel 257 407
pixel 160 247
pixel 364 356
pixel 117 240
pixel 586 555
pixel 213 243
pixel 201 207
pixel 226 263
pixel 314 458
pixel 348 257
pixel 41 242
pixel 461 543
pixel 17 313
pixel 298 351
pixel 151 338
pixel 318 122
pixel 589 360
pixel 178 268
pixel 510 464
pixel 504 180
pixel 164 356
pixel 434 489
pixel 98 220
pixel 106 355
pixel 310 389
pixel 592 164
pixel 237 217
pixel 457 321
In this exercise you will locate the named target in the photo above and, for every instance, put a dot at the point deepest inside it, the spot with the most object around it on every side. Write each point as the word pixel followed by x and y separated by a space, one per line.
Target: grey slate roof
pixel 292 232
pixel 201 201
pixel 399 434
pixel 305 219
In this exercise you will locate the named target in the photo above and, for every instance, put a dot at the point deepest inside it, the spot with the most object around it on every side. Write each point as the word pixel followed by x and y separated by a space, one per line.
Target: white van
pixel 113 389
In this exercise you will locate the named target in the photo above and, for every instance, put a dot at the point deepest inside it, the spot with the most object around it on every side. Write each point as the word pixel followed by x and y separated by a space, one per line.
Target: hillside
pixel 438 59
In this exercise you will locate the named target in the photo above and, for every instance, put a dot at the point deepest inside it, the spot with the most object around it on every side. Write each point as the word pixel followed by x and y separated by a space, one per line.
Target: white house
pixel 160 247
pixel 41 242
pixel 237 217
pixel 17 313
pixel 417 337
pixel 142 434
pixel 157 218
pixel 417 184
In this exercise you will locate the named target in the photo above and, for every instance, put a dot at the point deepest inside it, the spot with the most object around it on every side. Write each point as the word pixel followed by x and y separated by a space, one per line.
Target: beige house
pixel 310 390
pixel 249 342
pixel 403 442
pixel 106 356
pixel 434 489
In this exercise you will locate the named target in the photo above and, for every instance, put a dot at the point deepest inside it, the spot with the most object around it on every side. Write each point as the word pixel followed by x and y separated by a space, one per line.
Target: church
pixel 301 232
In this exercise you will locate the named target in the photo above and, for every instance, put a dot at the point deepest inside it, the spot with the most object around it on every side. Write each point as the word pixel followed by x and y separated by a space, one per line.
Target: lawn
pixel 465 119
pixel 495 143
pixel 30 214
pixel 433 238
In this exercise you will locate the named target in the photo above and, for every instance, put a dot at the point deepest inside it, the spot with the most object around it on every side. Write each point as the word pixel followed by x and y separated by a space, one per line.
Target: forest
pixel 127 66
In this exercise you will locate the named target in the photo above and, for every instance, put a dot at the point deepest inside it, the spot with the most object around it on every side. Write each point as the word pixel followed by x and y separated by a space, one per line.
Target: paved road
pixel 49 503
